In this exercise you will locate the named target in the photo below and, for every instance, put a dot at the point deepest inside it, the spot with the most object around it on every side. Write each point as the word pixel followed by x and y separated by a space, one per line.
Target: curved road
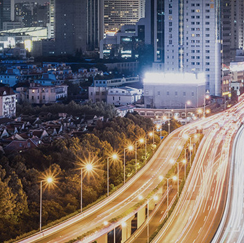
pixel 201 205
pixel 231 229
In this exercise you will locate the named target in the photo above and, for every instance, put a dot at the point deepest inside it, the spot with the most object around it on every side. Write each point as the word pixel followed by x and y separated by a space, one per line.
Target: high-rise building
pixel 122 12
pixel 237 24
pixel 226 31
pixel 70 26
pixel 95 26
pixel 78 25
pixel 5 11
pixel 52 18
pixel 186 36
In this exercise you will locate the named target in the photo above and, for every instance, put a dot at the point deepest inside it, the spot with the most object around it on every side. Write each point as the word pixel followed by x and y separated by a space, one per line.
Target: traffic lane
pixel 78 228
pixel 171 233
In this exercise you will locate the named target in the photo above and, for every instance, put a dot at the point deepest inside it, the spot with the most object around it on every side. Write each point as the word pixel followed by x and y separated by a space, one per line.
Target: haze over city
pixel 121 121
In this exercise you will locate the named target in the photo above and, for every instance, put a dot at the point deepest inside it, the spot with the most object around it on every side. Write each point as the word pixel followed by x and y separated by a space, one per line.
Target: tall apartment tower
pixel 237 26
pixel 186 36
pixel 122 12
pixel 227 55
pixel 6 11
pixel 78 25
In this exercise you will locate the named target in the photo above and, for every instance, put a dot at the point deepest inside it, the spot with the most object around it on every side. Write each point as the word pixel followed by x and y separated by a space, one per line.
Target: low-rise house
pixel 22 145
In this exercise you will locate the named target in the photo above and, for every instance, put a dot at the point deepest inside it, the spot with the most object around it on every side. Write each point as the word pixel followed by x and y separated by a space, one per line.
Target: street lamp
pixel 49 180
pixel 88 168
pixel 186 136
pixel 205 97
pixel 169 126
pixel 190 148
pixel 114 157
pixel 160 129
pixel 130 148
pixel 187 103
pixel 184 162
pixel 141 140
pixel 174 178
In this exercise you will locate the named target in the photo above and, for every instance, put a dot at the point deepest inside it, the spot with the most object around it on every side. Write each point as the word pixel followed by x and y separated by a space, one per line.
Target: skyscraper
pixel 77 25
pixel 120 12
pixel 186 36
pixel 70 26
pixel 5 11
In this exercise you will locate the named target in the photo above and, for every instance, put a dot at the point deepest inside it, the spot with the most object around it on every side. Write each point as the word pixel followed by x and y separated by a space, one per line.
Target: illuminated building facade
pixel 186 37
pixel 173 91
pixel 122 12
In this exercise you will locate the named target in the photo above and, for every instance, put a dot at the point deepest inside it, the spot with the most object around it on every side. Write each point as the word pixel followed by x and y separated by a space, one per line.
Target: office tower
pixel 237 26
pixel 226 32
pixel 70 26
pixel 52 18
pixel 122 12
pixel 95 26
pixel 5 11
pixel 78 25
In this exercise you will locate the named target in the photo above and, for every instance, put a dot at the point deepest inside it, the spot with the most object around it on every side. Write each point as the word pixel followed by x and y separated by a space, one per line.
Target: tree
pixel 7 201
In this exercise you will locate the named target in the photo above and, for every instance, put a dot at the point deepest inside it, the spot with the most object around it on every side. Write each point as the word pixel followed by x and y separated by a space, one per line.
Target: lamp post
pixel 141 140
pixel 130 148
pixel 48 180
pixel 187 103
pixel 114 157
pixel 190 148
pixel 186 136
pixel 184 162
pixel 169 126
pixel 88 168
pixel 174 178
pixel 205 97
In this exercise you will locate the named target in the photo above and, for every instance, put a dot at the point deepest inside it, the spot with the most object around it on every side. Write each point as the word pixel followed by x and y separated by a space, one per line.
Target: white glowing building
pixel 174 91
pixel 192 39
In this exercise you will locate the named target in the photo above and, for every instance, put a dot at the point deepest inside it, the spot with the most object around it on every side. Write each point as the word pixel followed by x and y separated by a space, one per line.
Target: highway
pixel 196 213
pixel 202 202
pixel 231 229
pixel 141 184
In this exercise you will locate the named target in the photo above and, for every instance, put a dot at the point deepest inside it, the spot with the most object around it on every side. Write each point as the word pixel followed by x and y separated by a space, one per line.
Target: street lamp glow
pixel 171 161
pixel 123 224
pixel 185 136
pixel 140 197
pixel 191 148
pixel 89 167
pixel 174 178
pixel 195 136
pixel 130 147
pixel 49 180
pixel 199 111
pixel 180 147
pixel 188 102
pixel 114 156
pixel 155 198
pixel 158 126
pixel 161 178
pixel 183 161
pixel 105 223
pixel 150 134
pixel 141 140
